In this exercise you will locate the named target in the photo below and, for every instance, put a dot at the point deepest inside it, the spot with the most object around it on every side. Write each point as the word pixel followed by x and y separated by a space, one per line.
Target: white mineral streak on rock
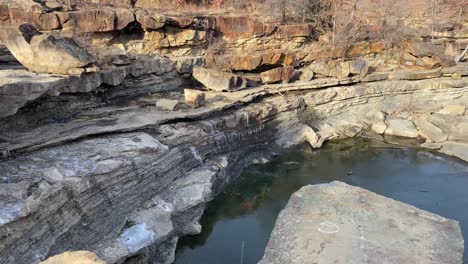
pixel 9 213
pixel 137 237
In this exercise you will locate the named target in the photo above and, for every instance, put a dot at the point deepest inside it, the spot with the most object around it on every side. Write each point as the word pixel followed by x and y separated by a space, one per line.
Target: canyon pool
pixel 238 223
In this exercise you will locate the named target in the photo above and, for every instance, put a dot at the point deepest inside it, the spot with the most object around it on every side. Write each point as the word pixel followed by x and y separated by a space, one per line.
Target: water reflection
pixel 246 212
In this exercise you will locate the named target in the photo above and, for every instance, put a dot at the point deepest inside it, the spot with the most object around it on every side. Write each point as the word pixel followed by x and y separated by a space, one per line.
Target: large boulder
pixel 45 53
pixel 218 80
pixel 339 223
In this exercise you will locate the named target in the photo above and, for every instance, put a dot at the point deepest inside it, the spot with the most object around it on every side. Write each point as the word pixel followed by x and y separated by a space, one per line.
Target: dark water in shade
pixel 246 212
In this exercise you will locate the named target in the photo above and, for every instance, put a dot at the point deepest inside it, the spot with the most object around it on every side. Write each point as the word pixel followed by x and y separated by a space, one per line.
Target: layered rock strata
pixel 76 167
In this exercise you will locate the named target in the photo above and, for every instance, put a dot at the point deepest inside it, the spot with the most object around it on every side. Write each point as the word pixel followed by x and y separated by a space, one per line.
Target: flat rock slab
pixel 339 223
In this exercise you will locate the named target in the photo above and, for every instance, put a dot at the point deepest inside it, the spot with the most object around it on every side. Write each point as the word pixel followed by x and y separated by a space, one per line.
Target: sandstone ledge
pixel 339 223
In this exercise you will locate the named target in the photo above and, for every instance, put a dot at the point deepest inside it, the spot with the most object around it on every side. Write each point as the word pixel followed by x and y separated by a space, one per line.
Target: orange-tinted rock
pixel 194 98
pixel 430 63
pixel 359 49
pixel 272 58
pixel 238 27
pixel 408 60
pixel 292 31
pixel 284 74
pixel 246 63
pixel 377 47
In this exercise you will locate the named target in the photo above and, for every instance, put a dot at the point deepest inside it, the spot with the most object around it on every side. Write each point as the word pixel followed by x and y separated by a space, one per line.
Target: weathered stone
pixel 400 127
pixel 359 49
pixel 429 131
pixel 45 53
pixel 89 20
pixel 359 67
pixel 415 75
pixel 377 47
pixel 430 63
pixel 176 37
pixel 307 74
pixel 185 65
pixel 339 223
pixel 74 257
pixel 253 80
pixel 167 104
pixel 321 68
pixel 376 76
pixel 457 110
pixel 377 122
pixel 456 127
pixel 194 98
pixel 4 14
pixel 284 74
pixel 180 22
pixel 246 63
pixel 423 49
pixel 123 17
pixel 235 27
pixel 457 149
pixel 150 19
pixel 219 81
pixel 293 31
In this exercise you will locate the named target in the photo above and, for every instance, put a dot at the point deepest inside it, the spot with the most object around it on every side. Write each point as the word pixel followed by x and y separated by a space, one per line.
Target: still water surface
pixel 238 223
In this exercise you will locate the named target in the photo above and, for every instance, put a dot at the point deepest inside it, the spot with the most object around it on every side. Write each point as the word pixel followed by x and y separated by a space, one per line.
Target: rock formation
pixel 180 104
pixel 44 53
pixel 339 223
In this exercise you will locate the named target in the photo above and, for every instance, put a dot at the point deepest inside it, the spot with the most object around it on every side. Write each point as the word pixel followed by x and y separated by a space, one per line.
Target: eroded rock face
pixel 44 53
pixel 339 223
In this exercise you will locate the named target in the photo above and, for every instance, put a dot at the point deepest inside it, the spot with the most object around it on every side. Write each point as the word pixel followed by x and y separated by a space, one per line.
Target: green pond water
pixel 238 223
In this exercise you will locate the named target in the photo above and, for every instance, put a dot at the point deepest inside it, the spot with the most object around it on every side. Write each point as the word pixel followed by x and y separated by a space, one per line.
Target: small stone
pixel 456 76
pixel 194 98
pixel 167 104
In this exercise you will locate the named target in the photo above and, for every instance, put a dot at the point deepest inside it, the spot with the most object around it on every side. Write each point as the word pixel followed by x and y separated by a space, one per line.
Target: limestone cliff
pixel 119 161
